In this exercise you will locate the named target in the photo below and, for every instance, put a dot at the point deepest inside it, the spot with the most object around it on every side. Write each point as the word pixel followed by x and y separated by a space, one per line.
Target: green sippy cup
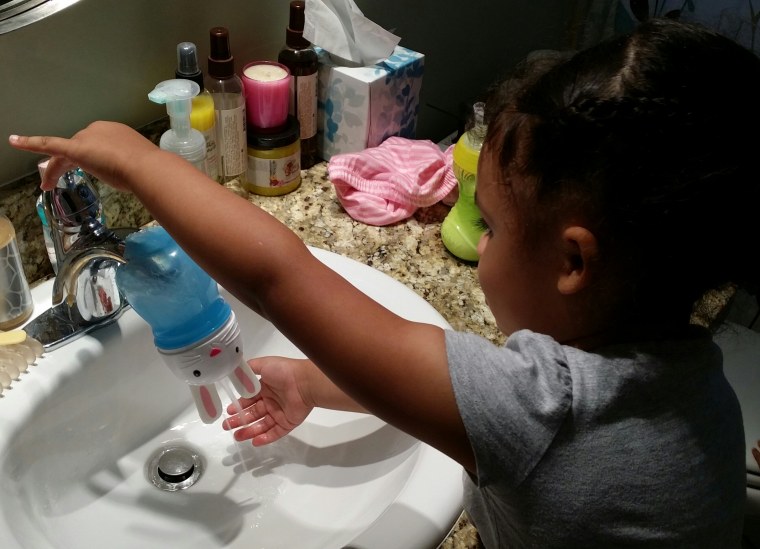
pixel 461 229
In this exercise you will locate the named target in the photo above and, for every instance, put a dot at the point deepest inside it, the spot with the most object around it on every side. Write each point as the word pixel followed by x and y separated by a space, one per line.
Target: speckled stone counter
pixel 411 252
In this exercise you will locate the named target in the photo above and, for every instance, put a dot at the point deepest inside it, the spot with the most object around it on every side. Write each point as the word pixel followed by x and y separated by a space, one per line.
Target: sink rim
pixel 442 506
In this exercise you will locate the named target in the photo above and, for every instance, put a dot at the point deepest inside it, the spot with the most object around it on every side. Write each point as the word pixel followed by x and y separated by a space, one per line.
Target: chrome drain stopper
pixel 175 465
pixel 174 468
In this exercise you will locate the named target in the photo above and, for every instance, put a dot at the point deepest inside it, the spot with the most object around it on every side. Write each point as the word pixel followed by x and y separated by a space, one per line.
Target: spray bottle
pixel 181 139
pixel 228 92
pixel 461 229
pixel 301 59
pixel 194 329
pixel 202 115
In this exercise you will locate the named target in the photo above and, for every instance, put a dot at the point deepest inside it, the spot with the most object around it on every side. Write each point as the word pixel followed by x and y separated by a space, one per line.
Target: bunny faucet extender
pixel 194 328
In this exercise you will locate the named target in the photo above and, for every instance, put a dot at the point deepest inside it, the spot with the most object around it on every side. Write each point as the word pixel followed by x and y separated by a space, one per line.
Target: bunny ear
pixel 245 381
pixel 207 401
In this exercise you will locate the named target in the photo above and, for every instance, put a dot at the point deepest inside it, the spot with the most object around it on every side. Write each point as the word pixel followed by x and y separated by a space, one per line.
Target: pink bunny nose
pixel 214 351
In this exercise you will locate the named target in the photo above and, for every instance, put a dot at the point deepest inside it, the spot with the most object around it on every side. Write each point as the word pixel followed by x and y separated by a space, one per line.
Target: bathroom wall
pixel 469 45
pixel 98 59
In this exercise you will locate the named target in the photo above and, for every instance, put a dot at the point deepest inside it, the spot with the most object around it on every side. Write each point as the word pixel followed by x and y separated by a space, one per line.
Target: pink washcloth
pixel 387 183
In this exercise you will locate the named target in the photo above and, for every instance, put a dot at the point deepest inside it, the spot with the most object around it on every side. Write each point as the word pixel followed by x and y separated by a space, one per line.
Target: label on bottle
pixel 304 95
pixel 203 119
pixel 211 165
pixel 230 125
pixel 274 172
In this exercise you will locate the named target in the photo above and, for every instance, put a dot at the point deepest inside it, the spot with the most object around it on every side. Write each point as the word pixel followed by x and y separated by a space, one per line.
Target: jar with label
pixel 16 303
pixel 274 160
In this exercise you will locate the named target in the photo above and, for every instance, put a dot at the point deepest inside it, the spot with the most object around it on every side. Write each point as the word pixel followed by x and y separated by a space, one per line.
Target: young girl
pixel 616 186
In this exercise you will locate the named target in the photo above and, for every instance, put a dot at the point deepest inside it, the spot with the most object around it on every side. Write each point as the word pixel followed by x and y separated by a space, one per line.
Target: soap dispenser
pixel 462 228
pixel 181 139
pixel 194 329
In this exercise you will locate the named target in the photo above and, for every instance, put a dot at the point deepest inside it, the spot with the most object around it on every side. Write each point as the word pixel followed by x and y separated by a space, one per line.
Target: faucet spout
pixel 85 297
pixel 87 281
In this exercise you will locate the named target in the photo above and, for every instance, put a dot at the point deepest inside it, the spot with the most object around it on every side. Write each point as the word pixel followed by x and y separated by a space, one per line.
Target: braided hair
pixel 652 137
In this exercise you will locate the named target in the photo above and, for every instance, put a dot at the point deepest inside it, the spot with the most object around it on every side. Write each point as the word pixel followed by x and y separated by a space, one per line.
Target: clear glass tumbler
pixel 16 303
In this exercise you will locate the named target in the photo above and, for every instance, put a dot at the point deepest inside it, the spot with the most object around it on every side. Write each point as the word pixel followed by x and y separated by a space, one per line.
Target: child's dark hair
pixel 651 137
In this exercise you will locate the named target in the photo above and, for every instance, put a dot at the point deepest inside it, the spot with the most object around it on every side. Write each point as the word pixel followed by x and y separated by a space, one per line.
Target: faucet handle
pixel 73 201
pixel 69 207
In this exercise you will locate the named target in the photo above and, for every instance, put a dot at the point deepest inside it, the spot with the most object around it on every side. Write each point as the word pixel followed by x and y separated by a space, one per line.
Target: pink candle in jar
pixel 267 93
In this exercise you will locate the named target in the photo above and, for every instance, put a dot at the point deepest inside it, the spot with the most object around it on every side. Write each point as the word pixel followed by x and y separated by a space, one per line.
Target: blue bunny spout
pixel 165 287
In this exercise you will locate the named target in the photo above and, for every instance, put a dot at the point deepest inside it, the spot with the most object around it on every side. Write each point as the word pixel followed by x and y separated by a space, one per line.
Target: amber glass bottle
pixel 301 58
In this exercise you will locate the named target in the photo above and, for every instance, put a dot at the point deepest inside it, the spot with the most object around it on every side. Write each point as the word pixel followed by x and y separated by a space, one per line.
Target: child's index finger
pixel 38 143
pixel 53 146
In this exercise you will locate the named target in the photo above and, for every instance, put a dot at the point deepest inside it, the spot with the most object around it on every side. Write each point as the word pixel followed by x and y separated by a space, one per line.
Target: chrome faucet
pixel 85 295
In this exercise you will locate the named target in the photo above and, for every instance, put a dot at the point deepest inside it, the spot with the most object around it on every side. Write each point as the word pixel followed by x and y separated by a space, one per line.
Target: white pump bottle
pixel 181 139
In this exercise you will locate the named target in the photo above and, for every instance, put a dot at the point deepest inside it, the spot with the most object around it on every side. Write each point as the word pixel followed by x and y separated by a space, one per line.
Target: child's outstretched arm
pixel 394 368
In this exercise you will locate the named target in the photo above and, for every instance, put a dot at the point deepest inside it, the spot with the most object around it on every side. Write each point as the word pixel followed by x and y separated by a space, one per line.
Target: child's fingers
pixel 264 432
pixel 242 403
pixel 254 430
pixel 54 146
pixel 257 363
pixel 238 420
pixel 247 416
pixel 56 167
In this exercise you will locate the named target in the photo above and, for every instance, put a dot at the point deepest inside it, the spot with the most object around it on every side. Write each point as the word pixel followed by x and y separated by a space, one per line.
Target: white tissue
pixel 339 27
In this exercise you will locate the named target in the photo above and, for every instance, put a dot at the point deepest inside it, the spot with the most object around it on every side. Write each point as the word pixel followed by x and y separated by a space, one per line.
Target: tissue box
pixel 359 107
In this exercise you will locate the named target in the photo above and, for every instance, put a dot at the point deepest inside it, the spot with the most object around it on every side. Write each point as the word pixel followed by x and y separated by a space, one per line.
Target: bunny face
pixel 203 364
pixel 210 360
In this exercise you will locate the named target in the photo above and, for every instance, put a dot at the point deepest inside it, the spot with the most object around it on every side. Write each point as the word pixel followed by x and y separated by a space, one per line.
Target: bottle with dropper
pixel 226 88
pixel 202 115
pixel 301 59
pixel 181 139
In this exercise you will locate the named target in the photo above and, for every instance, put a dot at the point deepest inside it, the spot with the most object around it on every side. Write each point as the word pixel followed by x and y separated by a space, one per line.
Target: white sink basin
pixel 77 431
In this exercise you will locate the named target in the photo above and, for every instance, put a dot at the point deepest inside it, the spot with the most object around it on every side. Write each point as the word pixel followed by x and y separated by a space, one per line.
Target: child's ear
pixel 581 251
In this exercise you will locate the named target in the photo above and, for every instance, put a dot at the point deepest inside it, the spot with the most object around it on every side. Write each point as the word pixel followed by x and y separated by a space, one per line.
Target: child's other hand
pixel 280 407
pixel 756 453
pixel 104 149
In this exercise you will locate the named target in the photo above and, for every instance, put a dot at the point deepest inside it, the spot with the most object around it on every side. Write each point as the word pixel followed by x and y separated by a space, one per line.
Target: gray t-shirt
pixel 639 445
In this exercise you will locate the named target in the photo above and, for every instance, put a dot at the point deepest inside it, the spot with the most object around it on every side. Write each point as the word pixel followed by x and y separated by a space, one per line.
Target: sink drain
pixel 173 468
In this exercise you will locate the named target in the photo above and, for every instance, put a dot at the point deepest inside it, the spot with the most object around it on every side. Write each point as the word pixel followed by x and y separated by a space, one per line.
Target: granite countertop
pixel 411 251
